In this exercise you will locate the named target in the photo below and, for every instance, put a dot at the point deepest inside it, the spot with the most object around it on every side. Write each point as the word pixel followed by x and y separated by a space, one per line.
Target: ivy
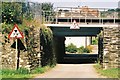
pixel 47 34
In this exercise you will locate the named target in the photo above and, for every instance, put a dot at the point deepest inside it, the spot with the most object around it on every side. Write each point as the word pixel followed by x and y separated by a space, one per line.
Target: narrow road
pixel 71 71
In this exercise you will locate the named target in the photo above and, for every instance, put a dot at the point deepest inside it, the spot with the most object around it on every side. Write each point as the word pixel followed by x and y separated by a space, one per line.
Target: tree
pixel 47 6
pixel 111 9
pixel 47 9
pixel 28 12
pixel 12 12
pixel 117 10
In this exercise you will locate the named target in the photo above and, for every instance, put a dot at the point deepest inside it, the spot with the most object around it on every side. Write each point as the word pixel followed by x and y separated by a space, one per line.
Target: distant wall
pixel 78 41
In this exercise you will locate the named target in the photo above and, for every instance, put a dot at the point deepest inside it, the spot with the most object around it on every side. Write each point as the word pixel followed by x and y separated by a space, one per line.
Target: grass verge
pixel 110 73
pixel 22 73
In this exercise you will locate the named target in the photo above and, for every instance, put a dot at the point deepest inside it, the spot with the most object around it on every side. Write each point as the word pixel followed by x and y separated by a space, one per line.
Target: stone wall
pixel 29 57
pixel 32 40
pixel 9 56
pixel 38 50
pixel 111 42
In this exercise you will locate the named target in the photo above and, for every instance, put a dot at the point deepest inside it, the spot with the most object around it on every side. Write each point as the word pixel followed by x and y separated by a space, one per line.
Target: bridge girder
pixel 83 31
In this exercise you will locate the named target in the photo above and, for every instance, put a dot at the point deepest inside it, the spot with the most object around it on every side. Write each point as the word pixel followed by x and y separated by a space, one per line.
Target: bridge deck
pixel 82 25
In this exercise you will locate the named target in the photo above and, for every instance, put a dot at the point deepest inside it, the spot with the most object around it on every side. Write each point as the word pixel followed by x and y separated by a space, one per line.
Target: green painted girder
pixel 83 31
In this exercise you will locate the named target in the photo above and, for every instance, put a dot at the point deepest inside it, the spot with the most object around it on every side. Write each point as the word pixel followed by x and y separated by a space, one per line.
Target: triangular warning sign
pixel 15 33
pixel 74 22
pixel 74 25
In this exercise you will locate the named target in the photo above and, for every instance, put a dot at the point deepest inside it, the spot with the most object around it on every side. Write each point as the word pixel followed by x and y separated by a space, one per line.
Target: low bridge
pixel 60 31
pixel 103 25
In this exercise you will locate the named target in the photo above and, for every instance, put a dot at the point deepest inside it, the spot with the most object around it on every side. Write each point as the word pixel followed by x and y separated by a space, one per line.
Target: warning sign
pixel 74 25
pixel 15 33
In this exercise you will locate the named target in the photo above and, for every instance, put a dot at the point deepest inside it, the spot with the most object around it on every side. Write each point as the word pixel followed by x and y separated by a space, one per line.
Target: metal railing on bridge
pixel 81 15
pixel 61 15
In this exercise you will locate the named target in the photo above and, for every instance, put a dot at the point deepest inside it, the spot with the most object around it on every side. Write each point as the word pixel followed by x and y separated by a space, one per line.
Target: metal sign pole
pixel 16 54
pixel 16 33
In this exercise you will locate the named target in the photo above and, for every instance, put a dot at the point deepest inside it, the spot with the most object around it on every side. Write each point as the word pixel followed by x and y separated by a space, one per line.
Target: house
pixel 83 11
pixel 86 11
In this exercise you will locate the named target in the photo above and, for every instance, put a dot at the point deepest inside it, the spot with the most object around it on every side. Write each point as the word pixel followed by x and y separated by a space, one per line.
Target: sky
pixel 76 3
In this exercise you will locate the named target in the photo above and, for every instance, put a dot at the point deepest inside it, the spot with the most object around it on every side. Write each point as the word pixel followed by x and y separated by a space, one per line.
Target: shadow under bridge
pixel 62 31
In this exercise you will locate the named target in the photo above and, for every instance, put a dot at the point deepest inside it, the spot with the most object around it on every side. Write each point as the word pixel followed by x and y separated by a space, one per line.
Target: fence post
pixel 56 16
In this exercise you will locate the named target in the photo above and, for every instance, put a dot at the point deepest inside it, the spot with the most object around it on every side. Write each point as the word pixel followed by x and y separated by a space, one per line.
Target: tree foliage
pixel 47 6
pixel 111 9
pixel 117 9
pixel 47 9
pixel 15 12
pixel 12 12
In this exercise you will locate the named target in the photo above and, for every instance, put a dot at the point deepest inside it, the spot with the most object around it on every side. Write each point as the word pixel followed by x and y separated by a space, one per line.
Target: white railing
pixel 70 13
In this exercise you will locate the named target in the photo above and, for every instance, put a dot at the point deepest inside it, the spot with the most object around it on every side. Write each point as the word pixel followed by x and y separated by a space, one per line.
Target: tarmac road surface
pixel 71 71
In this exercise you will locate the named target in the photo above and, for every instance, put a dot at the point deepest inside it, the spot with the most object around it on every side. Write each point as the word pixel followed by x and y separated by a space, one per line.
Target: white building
pixel 78 41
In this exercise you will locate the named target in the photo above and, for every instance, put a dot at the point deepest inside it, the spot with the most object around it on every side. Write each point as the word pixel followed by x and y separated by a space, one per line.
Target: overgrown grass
pixel 10 73
pixel 23 73
pixel 110 73
pixel 41 70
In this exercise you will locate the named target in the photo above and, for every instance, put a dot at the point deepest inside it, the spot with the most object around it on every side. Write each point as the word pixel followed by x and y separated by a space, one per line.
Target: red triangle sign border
pixel 15 26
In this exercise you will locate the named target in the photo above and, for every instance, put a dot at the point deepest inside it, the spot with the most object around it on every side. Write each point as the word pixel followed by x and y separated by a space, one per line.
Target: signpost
pixel 16 34
pixel 74 25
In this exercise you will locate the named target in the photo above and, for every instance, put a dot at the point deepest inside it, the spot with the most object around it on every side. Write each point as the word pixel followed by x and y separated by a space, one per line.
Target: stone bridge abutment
pixel 111 47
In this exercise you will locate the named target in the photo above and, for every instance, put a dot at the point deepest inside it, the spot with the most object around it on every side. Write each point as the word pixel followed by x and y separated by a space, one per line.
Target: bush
pixel 71 48
pixel 6 28
pixel 80 50
pixel 88 49
pixel 95 41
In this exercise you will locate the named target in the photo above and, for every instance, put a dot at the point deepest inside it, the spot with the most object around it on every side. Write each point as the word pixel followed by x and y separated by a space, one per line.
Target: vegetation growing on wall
pixel 37 37
pixel 46 38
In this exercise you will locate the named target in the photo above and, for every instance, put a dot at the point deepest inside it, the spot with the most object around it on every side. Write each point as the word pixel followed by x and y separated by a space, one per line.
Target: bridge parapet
pixel 80 14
